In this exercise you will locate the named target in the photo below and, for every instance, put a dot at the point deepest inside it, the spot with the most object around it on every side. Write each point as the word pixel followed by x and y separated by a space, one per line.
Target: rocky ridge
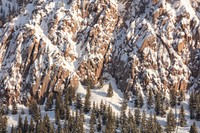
pixel 143 44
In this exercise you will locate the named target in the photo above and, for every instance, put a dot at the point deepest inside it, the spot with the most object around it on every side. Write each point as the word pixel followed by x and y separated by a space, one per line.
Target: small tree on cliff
pixel 14 108
pixel 110 91
pixel 87 103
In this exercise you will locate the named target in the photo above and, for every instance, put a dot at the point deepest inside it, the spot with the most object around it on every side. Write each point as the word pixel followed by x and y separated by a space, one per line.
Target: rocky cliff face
pixel 143 44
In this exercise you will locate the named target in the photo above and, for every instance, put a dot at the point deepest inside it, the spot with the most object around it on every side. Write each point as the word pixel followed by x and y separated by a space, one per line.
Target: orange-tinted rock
pixel 181 46
pixel 147 42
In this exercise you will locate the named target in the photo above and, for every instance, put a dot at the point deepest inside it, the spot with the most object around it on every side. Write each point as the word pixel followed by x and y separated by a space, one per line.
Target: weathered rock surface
pixel 152 44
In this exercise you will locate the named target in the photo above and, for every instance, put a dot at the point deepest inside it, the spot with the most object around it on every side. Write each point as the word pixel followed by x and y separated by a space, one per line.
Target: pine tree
pixel 34 110
pixel 57 117
pixel 3 124
pixel 22 111
pixel 124 105
pixel 172 98
pixel 131 123
pixel 182 96
pixel 150 98
pixel 110 123
pixel 110 91
pixel 192 104
pixel 46 123
pixel 65 127
pixel 20 123
pixel 49 103
pixel 79 102
pixel 193 128
pixel 14 108
pixel 66 106
pixel 99 123
pixel 25 127
pixel 137 116
pixel 182 119
pixel 171 122
pixel 139 100
pixel 150 124
pixel 143 126
pixel 12 129
pixel 197 107
pixel 31 126
pixel 71 94
pixel 159 107
pixel 92 130
pixel 39 126
pixel 87 103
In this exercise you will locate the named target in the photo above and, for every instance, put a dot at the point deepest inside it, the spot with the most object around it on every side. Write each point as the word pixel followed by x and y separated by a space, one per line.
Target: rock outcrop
pixel 143 44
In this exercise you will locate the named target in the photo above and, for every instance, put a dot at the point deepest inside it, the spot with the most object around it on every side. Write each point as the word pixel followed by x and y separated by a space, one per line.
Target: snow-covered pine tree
pixel 139 100
pixel 110 91
pixel 87 103
pixel 137 116
pixel 150 98
pixel 182 119
pixel 20 123
pixel 171 122
pixel 14 108
pixel 26 125
pixel 31 126
pixel 172 98
pixel 79 102
pixel 143 125
pixel 193 128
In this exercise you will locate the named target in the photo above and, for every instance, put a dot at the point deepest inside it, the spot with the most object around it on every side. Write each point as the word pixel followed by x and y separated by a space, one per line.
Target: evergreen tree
pixel 92 119
pixel 193 128
pixel 80 128
pixel 143 127
pixel 150 98
pixel 57 117
pixel 182 96
pixel 159 107
pixel 124 105
pixel 87 102
pixel 46 123
pixel 65 127
pixel 14 108
pixel 39 126
pixel 137 116
pixel 79 102
pixel 20 123
pixel 25 127
pixel 3 124
pixel 139 100
pixel 150 124
pixel 71 94
pixel 172 98
pixel 182 119
pixel 197 107
pixel 22 111
pixel 49 103
pixel 13 130
pixel 110 91
pixel 31 126
pixel 192 105
pixel 171 122
pixel 34 110
pixel 131 123
pixel 66 106
pixel 110 123
pixel 99 123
